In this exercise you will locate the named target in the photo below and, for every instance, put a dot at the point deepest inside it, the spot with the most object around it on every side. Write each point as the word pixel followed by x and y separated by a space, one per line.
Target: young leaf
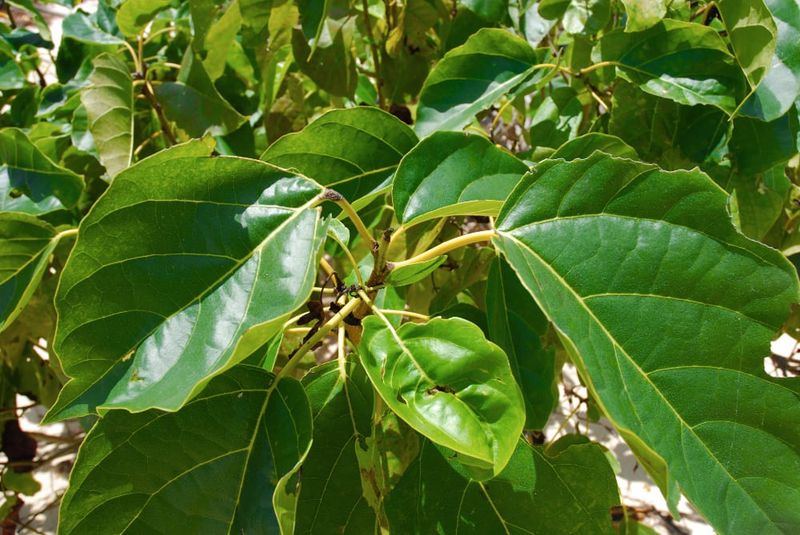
pixel 330 497
pixel 450 173
pixel 516 324
pixel 109 106
pixel 568 491
pixel 614 251
pixel 471 77
pixel 209 468
pixel 134 15
pixel 682 61
pixel 30 172
pixel 25 246
pixel 448 383
pixel 182 269
pixel 352 151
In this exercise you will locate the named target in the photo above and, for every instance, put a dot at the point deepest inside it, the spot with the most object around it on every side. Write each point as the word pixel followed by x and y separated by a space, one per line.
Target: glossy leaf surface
pixel 450 173
pixel 198 470
pixel 352 151
pixel 213 255
pixel 448 383
pixel 614 251
pixel 109 106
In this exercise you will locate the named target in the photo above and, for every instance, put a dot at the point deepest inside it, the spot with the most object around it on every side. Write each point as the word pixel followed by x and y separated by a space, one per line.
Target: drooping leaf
pixel 682 61
pixel 213 255
pixel 568 491
pixel 32 173
pixel 450 173
pixel 516 324
pixel 450 384
pixel 781 85
pixel 751 32
pixel 26 243
pixel 330 496
pixel 471 77
pixel 557 118
pixel 134 15
pixel 757 146
pixel 209 468
pixel 194 103
pixel 405 275
pixel 352 151
pixel 643 13
pixel 664 132
pixel 614 251
pixel 109 107
pixel 585 145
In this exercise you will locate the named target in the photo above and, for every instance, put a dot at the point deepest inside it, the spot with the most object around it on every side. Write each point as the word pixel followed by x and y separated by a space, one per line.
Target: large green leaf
pixel 194 103
pixel 516 324
pixel 332 67
pixel 330 498
pixel 757 145
pixel 220 40
pixel 668 313
pixel 781 86
pixel 352 151
pixel 80 27
pixel 450 173
pixel 448 383
pixel 751 31
pixel 682 61
pixel 25 246
pixel 32 173
pixel 134 15
pixel 471 77
pixel 568 490
pixel 209 468
pixel 585 145
pixel 208 257
pixel 109 106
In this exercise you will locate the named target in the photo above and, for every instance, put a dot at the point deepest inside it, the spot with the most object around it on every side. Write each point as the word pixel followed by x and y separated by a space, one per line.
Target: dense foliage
pixel 316 266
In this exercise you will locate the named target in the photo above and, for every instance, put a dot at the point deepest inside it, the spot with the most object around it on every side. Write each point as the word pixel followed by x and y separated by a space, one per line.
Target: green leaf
pixel 26 243
pixel 557 118
pixel 586 17
pixel 614 251
pixel 516 324
pixel 472 77
pixel 80 27
pixel 220 40
pixel 353 150
pixel 109 107
pixel 682 61
pixel 198 470
pixel 11 76
pixel 134 15
pixel 758 201
pixel 664 132
pixel 643 13
pixel 330 497
pixel 568 491
pixel 450 173
pixel 751 32
pixel 781 85
pixel 585 145
pixel 331 67
pixel 405 275
pixel 11 201
pixel 450 384
pixel 488 10
pixel 757 146
pixel 312 18
pixel 38 19
pixel 194 103
pixel 34 174
pixel 183 268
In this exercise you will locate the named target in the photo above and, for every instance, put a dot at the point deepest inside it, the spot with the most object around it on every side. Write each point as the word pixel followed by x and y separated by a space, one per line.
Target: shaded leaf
pixel 613 251
pixel 585 145
pixel 557 118
pixel 80 27
pixel 586 17
pixel 405 275
pixel 134 15
pixel 331 67
pixel 220 39
pixel 751 32
pixel 450 173
pixel 448 383
pixel 757 146
pixel 109 107
pixel 197 470
pixel 213 256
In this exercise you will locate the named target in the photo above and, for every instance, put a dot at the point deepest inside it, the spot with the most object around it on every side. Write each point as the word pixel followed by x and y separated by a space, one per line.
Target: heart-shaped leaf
pixel 352 151
pixel 668 312
pixel 210 256
pixel 450 173
pixel 448 383
pixel 198 470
